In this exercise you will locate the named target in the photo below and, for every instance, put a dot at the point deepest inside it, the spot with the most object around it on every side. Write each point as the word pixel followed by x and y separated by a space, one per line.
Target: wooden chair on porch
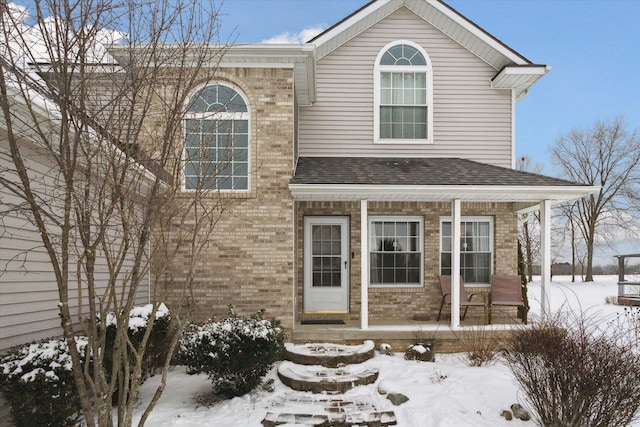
pixel 465 299
pixel 506 291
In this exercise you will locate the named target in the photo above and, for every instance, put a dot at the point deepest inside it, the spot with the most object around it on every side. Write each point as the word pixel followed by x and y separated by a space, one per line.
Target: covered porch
pixel 439 195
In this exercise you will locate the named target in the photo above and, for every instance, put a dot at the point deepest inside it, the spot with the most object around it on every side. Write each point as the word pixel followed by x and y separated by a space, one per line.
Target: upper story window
pixel 403 95
pixel 216 148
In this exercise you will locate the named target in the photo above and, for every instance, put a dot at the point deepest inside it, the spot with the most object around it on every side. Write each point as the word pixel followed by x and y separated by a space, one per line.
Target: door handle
pixel 345 265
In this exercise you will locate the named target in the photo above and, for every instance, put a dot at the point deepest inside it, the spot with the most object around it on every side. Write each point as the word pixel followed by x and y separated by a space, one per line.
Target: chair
pixel 506 291
pixel 465 300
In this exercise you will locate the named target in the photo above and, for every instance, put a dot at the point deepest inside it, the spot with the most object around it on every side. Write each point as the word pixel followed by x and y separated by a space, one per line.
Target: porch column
pixel 364 265
pixel 545 255
pixel 455 263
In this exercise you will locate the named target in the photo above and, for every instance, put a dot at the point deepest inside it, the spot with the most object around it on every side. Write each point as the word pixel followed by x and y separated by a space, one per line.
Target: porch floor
pixel 401 333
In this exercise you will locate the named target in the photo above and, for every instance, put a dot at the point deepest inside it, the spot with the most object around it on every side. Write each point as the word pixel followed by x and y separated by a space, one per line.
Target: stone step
pixel 328 411
pixel 318 379
pixel 329 355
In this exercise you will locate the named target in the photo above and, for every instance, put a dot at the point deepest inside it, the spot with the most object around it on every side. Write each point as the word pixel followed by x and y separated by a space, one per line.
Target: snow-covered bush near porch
pixel 235 353
pixel 155 353
pixel 37 383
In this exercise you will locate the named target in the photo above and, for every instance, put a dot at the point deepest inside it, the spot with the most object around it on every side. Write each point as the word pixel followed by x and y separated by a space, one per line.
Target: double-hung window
pixel 216 149
pixel 403 95
pixel 395 251
pixel 476 248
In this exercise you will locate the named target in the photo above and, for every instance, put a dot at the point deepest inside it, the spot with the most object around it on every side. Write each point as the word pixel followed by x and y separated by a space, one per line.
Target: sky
pixel 592 46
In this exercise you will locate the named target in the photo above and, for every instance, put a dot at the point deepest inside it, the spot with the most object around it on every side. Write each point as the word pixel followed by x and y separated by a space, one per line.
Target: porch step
pixel 329 355
pixel 318 379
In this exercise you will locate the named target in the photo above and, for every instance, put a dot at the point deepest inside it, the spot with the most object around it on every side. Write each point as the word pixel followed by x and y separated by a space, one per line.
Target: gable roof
pixel 425 179
pixel 514 70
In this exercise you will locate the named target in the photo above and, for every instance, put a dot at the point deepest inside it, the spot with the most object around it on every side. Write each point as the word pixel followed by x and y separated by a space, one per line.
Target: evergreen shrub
pixel 37 382
pixel 235 353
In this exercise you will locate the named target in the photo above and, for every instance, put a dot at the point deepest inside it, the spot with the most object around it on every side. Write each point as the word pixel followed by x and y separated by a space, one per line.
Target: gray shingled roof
pixel 414 171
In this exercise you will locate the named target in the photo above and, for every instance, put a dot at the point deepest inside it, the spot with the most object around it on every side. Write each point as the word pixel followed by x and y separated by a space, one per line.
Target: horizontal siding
pixel 28 290
pixel 470 119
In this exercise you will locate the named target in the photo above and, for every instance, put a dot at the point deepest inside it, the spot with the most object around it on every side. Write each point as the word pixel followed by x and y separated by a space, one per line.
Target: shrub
pixel 479 345
pixel 574 374
pixel 235 353
pixel 37 383
pixel 421 352
pixel 155 354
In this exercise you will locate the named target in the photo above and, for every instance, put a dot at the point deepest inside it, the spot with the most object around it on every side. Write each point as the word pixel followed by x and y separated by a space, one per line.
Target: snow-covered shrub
pixel 155 352
pixel 37 383
pixel 421 352
pixel 235 353
pixel 573 373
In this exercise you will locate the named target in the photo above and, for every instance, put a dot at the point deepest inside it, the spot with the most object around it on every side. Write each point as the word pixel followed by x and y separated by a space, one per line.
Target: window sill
pixel 403 141
pixel 385 286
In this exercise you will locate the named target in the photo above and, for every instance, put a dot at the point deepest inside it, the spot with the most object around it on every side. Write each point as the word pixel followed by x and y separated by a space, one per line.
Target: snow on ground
pixel 446 393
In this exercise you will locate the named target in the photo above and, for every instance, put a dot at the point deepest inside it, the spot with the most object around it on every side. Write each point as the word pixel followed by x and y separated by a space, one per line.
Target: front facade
pixel 361 166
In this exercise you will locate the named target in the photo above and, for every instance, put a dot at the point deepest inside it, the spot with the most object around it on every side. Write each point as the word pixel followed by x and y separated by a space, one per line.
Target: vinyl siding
pixel 470 119
pixel 28 290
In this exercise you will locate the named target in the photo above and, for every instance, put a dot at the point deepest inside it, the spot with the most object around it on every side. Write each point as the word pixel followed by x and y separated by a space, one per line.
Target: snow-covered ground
pixel 444 393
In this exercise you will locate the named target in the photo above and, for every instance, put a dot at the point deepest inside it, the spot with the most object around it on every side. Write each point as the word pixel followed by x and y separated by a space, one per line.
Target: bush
pixel 155 352
pixel 421 352
pixel 574 374
pixel 479 345
pixel 235 353
pixel 37 383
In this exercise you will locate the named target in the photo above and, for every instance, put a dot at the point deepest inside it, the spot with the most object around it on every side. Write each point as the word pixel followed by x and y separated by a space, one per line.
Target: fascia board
pixel 479 33
pixel 557 194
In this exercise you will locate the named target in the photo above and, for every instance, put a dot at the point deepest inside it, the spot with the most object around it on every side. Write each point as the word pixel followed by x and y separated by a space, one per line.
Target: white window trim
pixel 480 218
pixel 420 221
pixel 377 69
pixel 217 116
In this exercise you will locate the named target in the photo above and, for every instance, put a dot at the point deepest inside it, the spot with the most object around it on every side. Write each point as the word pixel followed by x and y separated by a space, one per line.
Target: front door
pixel 326 264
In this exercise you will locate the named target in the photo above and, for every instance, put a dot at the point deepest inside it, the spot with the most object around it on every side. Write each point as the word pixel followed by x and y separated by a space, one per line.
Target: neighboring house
pixel 353 155
pixel 29 299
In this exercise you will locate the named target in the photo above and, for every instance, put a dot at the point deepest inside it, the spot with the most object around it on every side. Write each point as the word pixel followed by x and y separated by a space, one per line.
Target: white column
pixel 364 265
pixel 455 263
pixel 545 255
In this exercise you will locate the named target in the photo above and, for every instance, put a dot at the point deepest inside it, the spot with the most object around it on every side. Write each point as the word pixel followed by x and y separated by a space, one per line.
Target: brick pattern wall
pixel 388 303
pixel 249 259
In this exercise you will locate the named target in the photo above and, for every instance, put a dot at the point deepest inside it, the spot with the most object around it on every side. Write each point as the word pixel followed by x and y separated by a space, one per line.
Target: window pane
pixel 398 254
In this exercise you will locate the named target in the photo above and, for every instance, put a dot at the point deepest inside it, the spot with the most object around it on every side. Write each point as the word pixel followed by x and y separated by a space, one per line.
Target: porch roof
pixel 425 179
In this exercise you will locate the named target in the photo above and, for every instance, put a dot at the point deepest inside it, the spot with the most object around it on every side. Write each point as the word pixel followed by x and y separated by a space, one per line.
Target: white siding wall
pixel 28 290
pixel 471 120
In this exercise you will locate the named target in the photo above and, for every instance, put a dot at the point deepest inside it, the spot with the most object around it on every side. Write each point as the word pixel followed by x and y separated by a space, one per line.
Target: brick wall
pixel 248 260
pixel 388 303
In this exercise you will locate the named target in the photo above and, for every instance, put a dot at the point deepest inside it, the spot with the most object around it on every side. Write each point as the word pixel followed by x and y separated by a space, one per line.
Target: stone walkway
pixel 327 370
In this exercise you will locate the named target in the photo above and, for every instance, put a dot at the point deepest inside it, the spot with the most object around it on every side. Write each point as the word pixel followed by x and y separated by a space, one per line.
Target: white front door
pixel 326 264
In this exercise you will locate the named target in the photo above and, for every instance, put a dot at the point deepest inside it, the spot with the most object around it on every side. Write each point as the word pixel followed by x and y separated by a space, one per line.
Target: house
pixel 360 160
pixel 358 167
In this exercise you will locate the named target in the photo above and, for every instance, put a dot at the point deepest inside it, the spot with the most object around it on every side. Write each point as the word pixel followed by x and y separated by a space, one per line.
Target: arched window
pixel 216 149
pixel 403 94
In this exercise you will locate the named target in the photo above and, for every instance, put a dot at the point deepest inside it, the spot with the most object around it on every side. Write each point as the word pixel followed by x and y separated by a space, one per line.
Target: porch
pixel 402 333
pixel 343 206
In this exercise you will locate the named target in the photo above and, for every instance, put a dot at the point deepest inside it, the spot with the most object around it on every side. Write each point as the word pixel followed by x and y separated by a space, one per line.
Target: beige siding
pixel 471 120
pixel 28 290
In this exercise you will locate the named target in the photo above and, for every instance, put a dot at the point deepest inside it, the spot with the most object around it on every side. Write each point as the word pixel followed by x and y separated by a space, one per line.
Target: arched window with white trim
pixel 403 94
pixel 216 148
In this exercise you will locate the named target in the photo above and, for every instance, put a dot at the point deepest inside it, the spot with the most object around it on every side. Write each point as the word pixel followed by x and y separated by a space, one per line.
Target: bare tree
pixel 109 209
pixel 529 223
pixel 607 155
